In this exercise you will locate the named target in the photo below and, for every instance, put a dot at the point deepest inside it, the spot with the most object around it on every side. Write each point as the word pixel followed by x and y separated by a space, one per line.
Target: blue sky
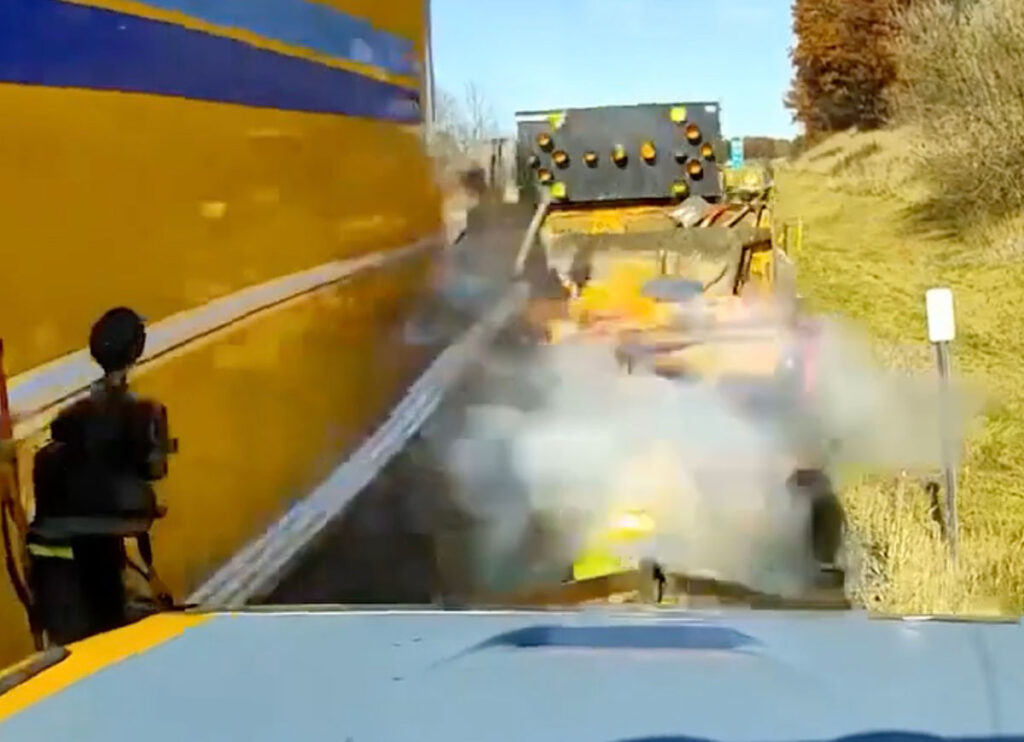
pixel 527 54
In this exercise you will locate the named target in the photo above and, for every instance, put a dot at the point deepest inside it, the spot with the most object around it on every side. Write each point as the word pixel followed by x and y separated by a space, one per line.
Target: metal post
pixel 531 233
pixel 941 331
pixel 948 454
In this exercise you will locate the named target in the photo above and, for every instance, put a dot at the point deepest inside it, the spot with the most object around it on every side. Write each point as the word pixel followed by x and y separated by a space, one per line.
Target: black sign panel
pixel 615 153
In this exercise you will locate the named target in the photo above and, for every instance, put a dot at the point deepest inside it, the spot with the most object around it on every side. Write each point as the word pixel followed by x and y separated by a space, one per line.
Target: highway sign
pixel 736 150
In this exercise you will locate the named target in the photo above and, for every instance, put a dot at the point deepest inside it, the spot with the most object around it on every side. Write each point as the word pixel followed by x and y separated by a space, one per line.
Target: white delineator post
pixel 941 332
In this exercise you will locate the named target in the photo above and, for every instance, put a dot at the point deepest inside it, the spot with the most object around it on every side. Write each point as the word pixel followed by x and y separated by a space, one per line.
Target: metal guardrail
pixel 255 570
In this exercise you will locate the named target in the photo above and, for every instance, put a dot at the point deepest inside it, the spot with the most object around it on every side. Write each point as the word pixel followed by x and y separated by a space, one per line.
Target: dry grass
pixel 874 164
pixel 870 255
pixel 962 87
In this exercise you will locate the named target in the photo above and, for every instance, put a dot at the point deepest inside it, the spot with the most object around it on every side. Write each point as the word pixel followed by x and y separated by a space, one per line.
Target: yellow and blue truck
pixel 251 178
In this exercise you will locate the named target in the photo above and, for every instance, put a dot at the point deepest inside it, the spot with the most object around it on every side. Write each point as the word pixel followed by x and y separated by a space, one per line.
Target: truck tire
pixel 827 519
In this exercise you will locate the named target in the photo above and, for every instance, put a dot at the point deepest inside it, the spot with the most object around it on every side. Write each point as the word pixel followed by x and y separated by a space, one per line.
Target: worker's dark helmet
pixel 117 339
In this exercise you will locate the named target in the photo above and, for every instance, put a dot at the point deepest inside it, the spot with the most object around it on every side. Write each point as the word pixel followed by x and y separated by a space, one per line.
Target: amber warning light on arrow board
pixel 619 156
pixel 693 134
pixel 648 151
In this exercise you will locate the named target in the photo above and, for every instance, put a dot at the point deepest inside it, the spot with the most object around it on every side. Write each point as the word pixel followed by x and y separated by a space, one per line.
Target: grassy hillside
pixel 873 244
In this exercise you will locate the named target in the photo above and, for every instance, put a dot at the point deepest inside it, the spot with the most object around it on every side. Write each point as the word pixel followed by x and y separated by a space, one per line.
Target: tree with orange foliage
pixel 844 62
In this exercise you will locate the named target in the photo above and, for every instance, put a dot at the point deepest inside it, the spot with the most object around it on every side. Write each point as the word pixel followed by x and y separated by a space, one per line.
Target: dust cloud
pixel 563 436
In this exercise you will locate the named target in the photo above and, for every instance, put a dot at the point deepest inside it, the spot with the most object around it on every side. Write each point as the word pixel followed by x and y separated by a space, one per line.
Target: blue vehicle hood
pixel 599 676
